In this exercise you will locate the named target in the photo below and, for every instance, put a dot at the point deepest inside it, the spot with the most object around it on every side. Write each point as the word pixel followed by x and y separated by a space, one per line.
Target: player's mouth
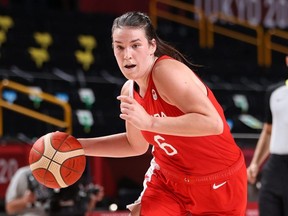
pixel 130 66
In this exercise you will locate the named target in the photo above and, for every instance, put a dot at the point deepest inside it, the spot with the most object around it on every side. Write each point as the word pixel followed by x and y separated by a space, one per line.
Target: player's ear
pixel 153 46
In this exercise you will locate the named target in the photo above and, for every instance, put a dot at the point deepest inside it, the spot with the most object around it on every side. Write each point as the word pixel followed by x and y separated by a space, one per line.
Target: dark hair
pixel 141 20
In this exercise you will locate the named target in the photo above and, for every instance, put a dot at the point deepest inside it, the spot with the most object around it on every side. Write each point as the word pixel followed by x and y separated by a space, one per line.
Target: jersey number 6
pixel 169 149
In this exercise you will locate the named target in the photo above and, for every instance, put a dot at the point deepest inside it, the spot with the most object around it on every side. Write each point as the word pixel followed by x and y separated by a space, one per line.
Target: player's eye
pixel 134 46
pixel 119 47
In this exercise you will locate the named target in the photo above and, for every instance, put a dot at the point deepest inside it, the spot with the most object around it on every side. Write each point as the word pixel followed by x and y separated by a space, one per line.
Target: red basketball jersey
pixel 188 155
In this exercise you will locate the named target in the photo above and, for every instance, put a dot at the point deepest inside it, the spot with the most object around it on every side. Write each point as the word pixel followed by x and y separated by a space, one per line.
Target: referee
pixel 273 142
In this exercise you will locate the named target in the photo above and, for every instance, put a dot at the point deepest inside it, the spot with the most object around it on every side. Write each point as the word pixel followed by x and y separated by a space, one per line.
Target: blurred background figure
pixel 272 145
pixel 67 201
pixel 95 195
pixel 25 196
pixel 76 200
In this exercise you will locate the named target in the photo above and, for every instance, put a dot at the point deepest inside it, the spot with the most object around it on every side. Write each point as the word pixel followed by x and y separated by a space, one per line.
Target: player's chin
pixel 129 72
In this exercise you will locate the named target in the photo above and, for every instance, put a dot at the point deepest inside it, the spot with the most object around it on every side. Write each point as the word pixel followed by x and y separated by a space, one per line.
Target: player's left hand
pixel 134 113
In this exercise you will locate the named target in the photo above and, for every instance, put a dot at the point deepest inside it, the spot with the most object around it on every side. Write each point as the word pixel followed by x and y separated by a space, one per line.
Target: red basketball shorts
pixel 223 193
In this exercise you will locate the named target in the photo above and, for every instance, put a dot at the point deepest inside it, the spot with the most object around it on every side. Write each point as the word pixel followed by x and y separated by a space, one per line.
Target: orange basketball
pixel 57 160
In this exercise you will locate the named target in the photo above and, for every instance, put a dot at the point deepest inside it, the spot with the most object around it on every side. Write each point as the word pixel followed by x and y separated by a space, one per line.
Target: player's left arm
pixel 180 87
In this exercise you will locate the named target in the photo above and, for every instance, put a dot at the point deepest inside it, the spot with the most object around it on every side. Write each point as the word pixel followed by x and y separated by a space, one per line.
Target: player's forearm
pixel 115 145
pixel 192 124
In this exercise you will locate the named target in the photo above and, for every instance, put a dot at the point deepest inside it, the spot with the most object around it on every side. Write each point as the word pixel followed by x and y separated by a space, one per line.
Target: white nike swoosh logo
pixel 216 186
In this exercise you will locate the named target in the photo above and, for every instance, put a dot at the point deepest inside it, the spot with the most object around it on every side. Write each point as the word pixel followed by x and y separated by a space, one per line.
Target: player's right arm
pixel 130 143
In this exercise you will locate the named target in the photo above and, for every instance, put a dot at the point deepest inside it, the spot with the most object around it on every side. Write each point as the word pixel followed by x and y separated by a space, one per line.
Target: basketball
pixel 57 160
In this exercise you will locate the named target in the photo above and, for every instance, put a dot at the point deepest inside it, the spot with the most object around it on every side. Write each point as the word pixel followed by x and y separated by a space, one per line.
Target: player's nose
pixel 127 53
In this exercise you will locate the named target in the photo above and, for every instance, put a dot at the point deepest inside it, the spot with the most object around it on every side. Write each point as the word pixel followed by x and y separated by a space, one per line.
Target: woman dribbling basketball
pixel 197 167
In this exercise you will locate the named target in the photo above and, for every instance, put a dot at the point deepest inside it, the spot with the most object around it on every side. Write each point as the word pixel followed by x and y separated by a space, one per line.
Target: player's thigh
pixel 159 200
pixel 159 203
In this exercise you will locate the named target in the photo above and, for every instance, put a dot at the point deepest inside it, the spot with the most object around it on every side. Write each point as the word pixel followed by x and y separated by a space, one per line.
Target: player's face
pixel 133 53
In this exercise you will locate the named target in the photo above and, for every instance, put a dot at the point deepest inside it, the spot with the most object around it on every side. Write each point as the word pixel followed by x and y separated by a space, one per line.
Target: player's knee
pixel 135 211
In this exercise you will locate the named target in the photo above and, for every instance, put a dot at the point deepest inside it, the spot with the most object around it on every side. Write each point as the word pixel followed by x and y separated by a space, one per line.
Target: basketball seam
pixel 57 150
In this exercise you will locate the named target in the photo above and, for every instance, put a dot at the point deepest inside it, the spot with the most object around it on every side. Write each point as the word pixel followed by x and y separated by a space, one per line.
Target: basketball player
pixel 273 142
pixel 197 167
